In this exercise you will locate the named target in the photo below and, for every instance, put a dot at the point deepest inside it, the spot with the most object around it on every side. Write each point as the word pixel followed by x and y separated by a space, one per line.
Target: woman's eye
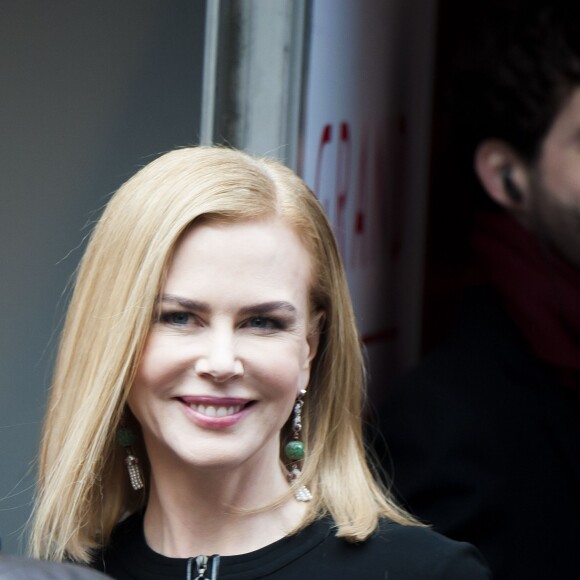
pixel 176 318
pixel 263 323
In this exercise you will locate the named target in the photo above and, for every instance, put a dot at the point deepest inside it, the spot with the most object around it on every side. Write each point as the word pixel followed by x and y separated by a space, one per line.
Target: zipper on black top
pixel 204 565
pixel 201 565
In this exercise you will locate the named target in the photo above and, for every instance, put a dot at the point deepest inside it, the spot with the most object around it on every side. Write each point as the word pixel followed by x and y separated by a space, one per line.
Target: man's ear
pixel 503 174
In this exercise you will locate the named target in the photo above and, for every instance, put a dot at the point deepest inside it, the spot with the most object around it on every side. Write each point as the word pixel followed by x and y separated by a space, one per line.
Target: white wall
pixel 88 92
pixel 365 153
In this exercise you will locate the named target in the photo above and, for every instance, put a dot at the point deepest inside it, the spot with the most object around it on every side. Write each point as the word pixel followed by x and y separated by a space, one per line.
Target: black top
pixel 395 552
pixel 485 446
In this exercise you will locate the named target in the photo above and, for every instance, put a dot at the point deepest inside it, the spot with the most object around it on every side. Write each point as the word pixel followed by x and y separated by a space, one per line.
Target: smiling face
pixel 230 350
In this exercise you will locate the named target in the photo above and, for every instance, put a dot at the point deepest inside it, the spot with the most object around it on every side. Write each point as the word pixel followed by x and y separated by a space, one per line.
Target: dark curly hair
pixel 524 64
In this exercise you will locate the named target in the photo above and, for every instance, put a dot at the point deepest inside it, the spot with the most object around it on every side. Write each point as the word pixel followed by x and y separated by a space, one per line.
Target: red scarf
pixel 540 291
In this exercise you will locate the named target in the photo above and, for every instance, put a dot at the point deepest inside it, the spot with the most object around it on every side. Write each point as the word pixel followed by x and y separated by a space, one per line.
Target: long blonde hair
pixel 83 490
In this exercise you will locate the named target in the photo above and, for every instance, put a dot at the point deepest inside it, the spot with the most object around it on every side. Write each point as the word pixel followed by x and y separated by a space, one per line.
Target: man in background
pixel 484 436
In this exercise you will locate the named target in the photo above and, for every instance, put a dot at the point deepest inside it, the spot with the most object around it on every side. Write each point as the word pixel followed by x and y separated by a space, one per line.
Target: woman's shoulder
pixel 419 552
pixel 402 552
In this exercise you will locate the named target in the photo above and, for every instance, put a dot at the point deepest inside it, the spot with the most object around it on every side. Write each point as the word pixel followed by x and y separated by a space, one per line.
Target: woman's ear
pixel 313 337
pixel 503 174
pixel 312 343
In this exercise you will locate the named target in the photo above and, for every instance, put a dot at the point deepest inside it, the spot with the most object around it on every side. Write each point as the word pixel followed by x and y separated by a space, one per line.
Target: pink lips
pixel 215 412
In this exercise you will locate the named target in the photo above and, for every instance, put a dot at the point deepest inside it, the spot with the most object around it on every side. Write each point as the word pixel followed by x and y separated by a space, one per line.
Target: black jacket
pixel 484 444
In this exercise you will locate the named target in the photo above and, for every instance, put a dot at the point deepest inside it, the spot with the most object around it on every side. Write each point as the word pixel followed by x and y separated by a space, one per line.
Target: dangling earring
pixel 126 438
pixel 294 450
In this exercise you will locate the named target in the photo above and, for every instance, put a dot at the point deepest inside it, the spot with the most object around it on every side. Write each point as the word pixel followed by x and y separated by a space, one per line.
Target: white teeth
pixel 213 411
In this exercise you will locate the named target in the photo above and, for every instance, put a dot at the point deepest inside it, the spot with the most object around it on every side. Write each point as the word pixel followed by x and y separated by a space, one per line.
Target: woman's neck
pixel 209 512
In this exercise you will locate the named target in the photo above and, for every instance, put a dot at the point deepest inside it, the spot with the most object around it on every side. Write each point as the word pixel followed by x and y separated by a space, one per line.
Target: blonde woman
pixel 205 415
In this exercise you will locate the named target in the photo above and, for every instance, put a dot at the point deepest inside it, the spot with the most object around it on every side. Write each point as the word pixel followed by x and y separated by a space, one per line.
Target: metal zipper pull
pixel 201 565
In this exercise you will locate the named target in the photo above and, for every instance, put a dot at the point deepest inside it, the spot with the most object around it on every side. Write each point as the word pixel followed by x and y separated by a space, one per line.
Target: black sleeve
pixel 466 563
pixel 412 552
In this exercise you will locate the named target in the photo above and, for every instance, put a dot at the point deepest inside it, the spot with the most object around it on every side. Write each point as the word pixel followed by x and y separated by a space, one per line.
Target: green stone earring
pixel 294 450
pixel 126 438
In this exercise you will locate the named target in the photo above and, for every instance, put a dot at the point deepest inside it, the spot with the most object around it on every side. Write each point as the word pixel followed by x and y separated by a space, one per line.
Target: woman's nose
pixel 218 360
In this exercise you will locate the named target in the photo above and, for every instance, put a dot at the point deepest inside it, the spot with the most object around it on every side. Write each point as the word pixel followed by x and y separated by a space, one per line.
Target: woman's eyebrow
pixel 268 307
pixel 261 308
pixel 186 303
